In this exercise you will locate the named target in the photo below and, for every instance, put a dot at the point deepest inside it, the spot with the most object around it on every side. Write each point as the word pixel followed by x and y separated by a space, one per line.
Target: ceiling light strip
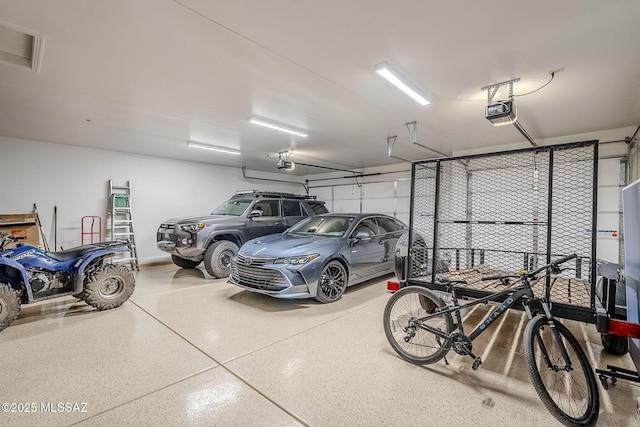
pixel 394 77
pixel 212 148
pixel 277 126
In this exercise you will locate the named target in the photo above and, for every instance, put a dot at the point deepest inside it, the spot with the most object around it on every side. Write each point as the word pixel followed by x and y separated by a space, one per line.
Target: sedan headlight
pixel 300 259
pixel 192 228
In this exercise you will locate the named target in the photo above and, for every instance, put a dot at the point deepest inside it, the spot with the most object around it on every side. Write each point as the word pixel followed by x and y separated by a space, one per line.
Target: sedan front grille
pixel 250 272
pixel 249 261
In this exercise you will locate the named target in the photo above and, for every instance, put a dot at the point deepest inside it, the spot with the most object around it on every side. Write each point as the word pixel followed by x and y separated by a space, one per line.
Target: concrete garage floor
pixel 190 350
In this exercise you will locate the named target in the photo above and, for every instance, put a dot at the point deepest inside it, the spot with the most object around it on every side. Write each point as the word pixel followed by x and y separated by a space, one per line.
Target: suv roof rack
pixel 258 193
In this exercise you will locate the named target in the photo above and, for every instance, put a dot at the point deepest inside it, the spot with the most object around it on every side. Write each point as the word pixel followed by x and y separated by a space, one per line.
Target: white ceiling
pixel 145 76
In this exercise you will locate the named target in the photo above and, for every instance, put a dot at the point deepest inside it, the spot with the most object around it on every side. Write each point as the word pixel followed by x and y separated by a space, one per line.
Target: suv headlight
pixel 192 228
pixel 300 259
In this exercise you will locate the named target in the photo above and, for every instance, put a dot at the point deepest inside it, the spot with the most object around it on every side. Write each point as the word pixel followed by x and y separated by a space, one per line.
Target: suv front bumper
pixel 190 252
pixel 167 246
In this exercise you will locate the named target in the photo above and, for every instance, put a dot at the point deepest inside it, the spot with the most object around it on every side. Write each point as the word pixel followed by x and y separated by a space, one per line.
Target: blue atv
pixel 29 274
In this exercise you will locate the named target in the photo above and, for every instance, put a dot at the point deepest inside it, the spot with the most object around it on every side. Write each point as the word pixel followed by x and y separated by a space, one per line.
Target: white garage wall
pixel 611 175
pixel 76 181
pixel 389 194
pixel 634 155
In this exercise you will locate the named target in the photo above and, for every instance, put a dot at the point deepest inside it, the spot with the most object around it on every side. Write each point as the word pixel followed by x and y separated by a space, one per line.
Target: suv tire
pixel 217 258
pixel 183 262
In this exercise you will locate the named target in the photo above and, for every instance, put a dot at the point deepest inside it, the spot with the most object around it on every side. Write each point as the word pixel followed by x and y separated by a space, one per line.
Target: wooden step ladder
pixel 121 219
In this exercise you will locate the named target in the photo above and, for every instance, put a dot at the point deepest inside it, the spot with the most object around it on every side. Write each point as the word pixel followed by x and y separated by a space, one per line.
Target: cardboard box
pixel 23 226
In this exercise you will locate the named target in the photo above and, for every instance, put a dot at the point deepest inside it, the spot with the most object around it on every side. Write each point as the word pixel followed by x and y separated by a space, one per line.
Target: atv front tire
pixel 108 286
pixel 9 305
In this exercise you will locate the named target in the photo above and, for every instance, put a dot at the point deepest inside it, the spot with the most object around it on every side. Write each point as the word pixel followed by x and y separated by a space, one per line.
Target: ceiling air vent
pixel 19 46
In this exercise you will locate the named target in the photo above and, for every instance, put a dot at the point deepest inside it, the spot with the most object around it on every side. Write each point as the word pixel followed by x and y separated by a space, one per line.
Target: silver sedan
pixel 318 257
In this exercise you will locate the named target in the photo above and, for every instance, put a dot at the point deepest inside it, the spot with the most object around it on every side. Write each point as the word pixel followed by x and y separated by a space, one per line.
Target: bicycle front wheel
pixel 568 389
pixel 405 326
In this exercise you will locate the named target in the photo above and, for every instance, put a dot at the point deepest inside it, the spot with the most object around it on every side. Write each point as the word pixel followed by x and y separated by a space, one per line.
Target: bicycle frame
pixel 513 295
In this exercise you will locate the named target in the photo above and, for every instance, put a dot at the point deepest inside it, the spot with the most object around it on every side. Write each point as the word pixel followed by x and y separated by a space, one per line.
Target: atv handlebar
pixel 6 238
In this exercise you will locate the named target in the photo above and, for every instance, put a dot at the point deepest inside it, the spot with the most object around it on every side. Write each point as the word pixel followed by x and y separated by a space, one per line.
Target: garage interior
pixel 98 94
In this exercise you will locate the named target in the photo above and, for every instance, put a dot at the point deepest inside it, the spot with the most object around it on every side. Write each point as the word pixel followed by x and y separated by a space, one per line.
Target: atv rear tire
pixel 183 262
pixel 217 258
pixel 108 286
pixel 9 305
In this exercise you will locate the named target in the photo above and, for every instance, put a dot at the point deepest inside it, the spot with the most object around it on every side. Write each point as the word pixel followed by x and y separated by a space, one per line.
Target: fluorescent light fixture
pixel 212 148
pixel 278 126
pixel 401 82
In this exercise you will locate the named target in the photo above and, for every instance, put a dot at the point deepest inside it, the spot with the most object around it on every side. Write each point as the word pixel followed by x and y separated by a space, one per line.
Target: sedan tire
pixel 332 282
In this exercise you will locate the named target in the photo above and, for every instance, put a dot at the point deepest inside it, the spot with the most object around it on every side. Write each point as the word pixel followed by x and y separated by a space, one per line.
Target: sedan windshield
pixel 323 225
pixel 232 207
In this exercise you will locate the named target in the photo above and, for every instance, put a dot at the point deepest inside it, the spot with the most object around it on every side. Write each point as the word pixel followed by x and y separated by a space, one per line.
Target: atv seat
pixel 72 253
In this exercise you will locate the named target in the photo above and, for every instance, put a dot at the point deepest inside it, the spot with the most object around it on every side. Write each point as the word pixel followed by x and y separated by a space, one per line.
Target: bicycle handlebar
pixel 535 272
pixel 500 277
pixel 553 263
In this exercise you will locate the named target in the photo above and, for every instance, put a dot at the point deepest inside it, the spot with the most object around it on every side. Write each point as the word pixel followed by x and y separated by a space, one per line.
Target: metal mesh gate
pixel 503 212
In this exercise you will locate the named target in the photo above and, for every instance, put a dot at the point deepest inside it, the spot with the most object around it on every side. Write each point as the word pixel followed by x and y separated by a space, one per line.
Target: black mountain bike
pixel 422 328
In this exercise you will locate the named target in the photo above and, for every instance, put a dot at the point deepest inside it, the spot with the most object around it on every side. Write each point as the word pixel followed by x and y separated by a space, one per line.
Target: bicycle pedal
pixel 476 363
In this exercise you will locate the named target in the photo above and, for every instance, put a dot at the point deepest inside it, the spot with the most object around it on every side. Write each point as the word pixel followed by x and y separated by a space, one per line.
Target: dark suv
pixel 216 238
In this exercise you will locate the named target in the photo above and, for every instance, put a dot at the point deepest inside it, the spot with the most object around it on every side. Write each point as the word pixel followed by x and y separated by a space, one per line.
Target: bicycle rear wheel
pixel 404 328
pixel 570 393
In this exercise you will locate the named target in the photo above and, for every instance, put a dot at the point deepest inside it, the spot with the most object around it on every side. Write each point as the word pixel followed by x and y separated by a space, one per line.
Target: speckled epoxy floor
pixel 190 350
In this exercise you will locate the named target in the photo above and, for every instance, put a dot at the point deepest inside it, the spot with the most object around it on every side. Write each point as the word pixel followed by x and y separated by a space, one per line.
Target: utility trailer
pixel 499 213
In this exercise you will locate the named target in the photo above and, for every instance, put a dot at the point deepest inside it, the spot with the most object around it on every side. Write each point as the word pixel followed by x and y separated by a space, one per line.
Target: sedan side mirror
pixel 363 235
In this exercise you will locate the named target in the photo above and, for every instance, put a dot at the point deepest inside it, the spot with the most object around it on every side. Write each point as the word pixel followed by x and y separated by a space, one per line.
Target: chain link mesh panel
pixel 504 212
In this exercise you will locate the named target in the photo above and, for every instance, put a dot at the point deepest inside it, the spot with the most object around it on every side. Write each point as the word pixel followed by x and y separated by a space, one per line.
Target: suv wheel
pixel 217 258
pixel 183 262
